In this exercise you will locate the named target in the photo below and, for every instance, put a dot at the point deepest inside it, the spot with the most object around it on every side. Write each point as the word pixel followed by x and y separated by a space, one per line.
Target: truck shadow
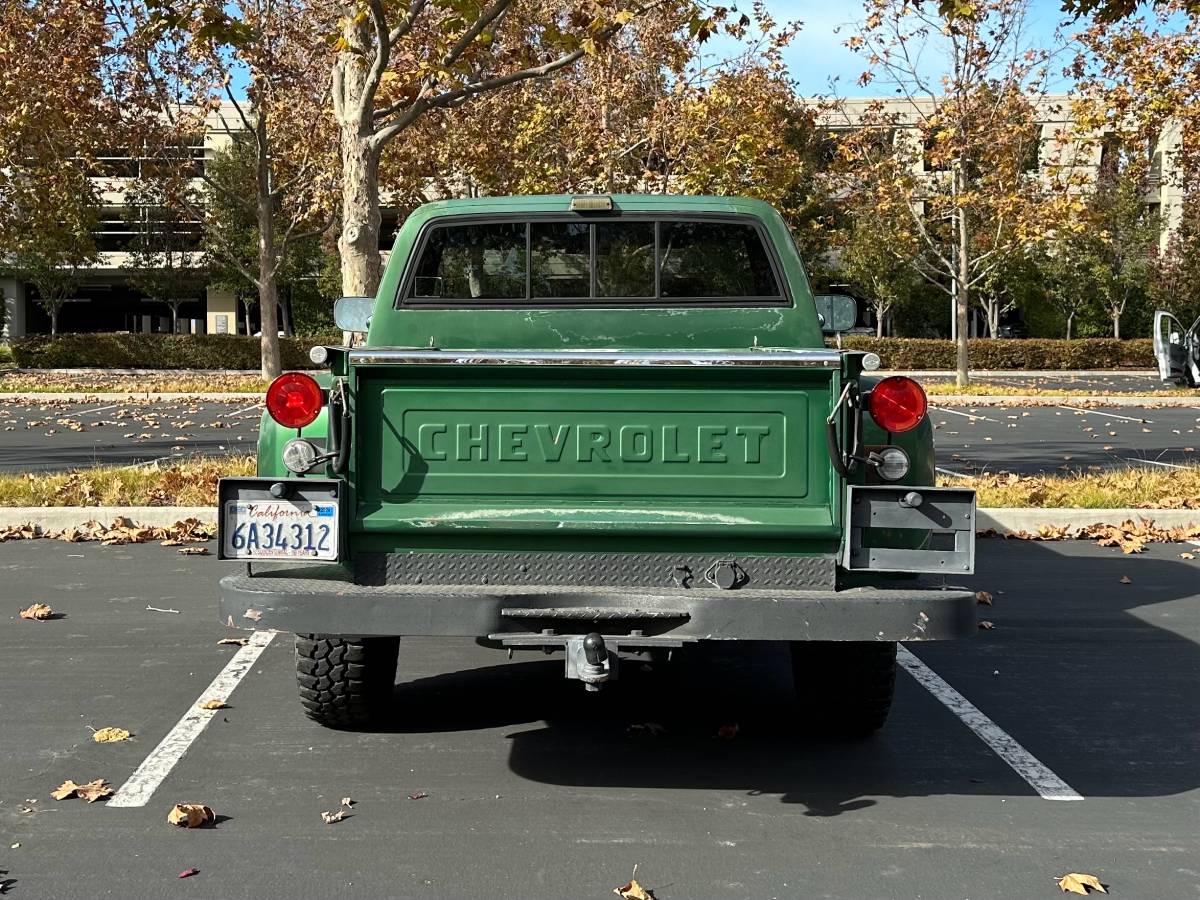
pixel 1095 677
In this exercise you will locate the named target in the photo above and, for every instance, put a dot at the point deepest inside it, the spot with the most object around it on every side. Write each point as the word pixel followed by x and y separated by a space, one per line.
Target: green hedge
pixel 159 351
pixel 1009 353
pixel 226 351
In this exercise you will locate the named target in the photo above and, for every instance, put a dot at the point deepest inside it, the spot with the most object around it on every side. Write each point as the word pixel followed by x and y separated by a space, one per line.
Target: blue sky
pixel 819 53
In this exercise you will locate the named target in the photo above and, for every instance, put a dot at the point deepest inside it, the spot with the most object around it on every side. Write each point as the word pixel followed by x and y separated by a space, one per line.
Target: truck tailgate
pixel 619 443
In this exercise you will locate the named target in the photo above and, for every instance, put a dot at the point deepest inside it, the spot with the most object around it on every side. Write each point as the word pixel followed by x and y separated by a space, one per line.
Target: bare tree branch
pixel 485 19
pixel 450 98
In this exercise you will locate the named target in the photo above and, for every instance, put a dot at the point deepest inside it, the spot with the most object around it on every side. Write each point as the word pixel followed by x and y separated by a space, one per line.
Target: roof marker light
pixel 591 203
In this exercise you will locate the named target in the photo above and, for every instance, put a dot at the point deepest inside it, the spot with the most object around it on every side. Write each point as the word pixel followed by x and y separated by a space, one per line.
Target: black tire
pixel 345 682
pixel 844 688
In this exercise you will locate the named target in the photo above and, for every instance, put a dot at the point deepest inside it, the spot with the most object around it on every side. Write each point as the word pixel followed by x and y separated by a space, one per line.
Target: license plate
pixel 280 529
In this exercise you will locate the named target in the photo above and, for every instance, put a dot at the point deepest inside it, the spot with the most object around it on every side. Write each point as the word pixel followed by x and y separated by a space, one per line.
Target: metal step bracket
pixel 899 528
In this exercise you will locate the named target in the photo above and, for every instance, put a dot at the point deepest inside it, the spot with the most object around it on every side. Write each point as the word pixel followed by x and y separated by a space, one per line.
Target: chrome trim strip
pixel 803 358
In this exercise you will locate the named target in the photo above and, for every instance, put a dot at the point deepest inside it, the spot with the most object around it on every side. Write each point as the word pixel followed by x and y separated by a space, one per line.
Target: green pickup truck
pixel 607 426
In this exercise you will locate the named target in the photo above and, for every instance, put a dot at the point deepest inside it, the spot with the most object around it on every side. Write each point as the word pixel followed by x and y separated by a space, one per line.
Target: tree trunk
pixel 358 243
pixel 962 308
pixel 1070 319
pixel 361 221
pixel 962 289
pixel 174 319
pixel 878 322
pixel 285 314
pixel 53 307
pixel 1116 320
pixel 268 257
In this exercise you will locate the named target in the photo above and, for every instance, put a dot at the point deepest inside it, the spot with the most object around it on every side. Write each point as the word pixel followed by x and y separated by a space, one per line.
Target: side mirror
pixel 836 312
pixel 353 313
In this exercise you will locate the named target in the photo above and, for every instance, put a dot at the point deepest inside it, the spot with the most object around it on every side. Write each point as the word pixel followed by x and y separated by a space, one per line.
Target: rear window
pixel 630 261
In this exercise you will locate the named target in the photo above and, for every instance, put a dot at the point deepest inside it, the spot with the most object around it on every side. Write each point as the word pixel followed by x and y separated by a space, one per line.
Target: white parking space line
pixel 1048 785
pixel 1094 412
pixel 84 412
pixel 150 462
pixel 240 411
pixel 1153 462
pixel 955 412
pixel 141 785
pixel 950 472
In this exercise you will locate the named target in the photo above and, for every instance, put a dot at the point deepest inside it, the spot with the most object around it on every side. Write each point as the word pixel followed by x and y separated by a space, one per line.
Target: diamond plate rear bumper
pixel 322 600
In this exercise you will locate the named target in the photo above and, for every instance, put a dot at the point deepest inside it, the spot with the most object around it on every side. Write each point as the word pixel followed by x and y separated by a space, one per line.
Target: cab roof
pixel 541 203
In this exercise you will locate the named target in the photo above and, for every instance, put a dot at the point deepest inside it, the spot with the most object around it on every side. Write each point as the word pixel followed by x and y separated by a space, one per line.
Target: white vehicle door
pixel 1170 350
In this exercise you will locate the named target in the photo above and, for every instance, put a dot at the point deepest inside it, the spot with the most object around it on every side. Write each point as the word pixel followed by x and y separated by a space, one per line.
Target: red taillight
pixel 294 399
pixel 897 404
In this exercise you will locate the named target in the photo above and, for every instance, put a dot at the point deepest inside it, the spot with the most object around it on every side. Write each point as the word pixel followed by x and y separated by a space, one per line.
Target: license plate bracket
pixel 307 523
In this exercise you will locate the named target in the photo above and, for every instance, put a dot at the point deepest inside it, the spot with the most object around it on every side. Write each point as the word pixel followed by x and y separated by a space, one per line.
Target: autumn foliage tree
pixel 957 151
pixel 180 61
pixel 396 64
pixel 55 119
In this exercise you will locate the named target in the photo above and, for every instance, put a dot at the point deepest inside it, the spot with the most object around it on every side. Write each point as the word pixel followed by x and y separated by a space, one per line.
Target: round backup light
pixel 299 455
pixel 897 404
pixel 893 464
pixel 319 355
pixel 871 362
pixel 294 399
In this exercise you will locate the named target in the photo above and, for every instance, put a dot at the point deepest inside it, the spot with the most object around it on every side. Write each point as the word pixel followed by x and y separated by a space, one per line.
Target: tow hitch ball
pixel 589 660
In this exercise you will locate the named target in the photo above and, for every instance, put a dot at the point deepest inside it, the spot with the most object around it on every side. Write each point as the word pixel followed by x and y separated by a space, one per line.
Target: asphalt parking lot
pixel 526 786
pixel 56 435
pixel 1062 438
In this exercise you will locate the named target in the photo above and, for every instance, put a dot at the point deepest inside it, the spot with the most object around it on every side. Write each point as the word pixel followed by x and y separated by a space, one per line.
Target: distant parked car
pixel 1177 351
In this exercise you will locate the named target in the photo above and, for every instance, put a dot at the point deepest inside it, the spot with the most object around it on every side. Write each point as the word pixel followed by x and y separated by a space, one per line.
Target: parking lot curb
pixel 1149 400
pixel 1002 520
pixel 57 518
pixel 118 396
pixel 1011 520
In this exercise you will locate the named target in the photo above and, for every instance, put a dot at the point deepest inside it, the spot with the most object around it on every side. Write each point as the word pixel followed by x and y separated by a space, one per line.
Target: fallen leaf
pixel 346 801
pixel 64 790
pixel 651 728
pixel 331 817
pixel 94 790
pixel 193 551
pixel 90 792
pixel 38 612
pixel 213 704
pixel 726 733
pixel 986 625
pixel 1080 883
pixel 633 891
pixel 110 735
pixel 1187 555
pixel 252 614
pixel 191 815
pixel 418 795
pixel 983 597
pixel 188 873
pixel 1125 579
pixel 237 642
